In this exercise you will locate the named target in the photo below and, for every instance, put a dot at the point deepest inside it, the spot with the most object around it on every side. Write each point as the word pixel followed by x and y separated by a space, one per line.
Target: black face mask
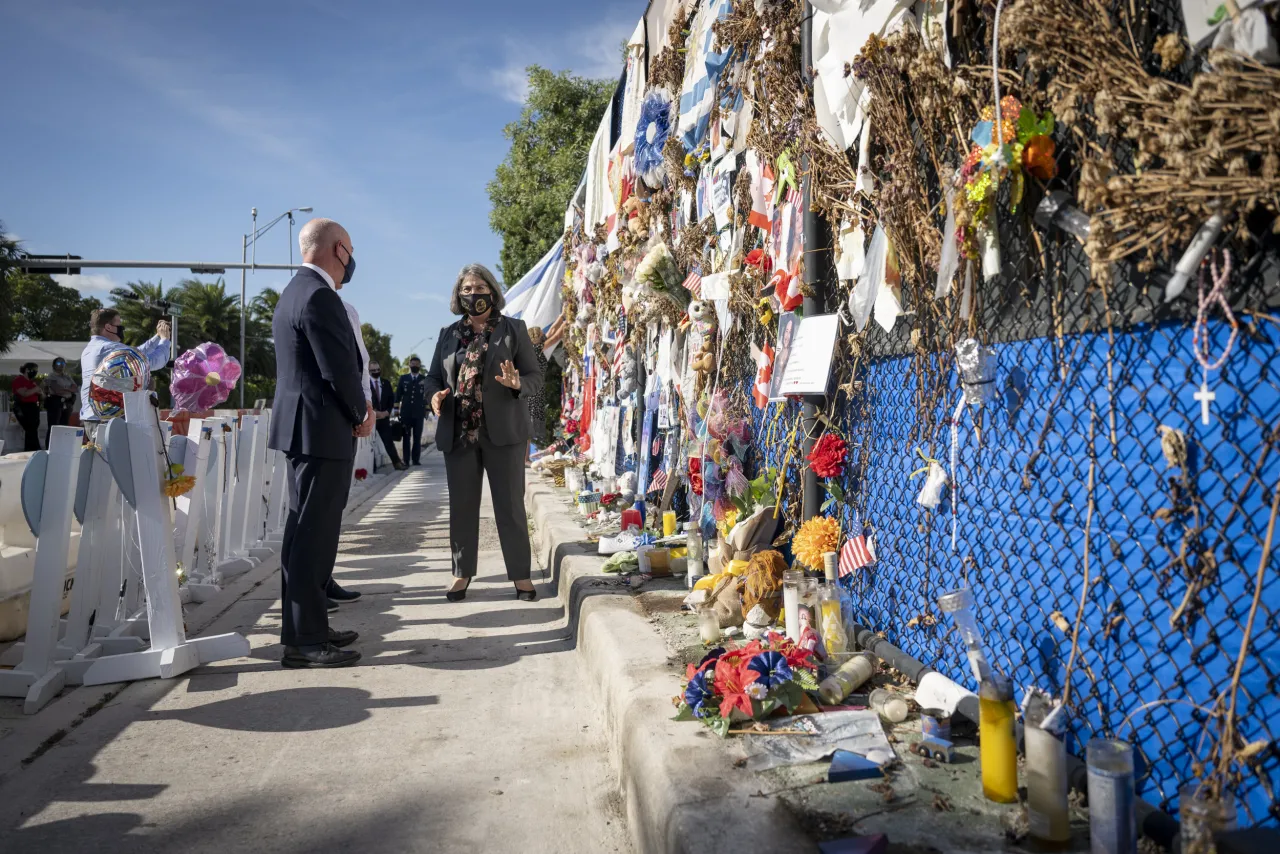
pixel 118 331
pixel 31 373
pixel 349 269
pixel 58 366
pixel 414 368
pixel 476 304
pixel 375 374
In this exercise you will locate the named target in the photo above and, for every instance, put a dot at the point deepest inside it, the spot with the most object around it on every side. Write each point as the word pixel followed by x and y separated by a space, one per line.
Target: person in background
pixel 384 399
pixel 537 402
pixel 59 396
pixel 26 405
pixel 107 333
pixel 411 397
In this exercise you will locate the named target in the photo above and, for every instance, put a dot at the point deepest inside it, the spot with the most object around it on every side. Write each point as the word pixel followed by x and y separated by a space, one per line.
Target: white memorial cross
pixel 137 460
pixel 48 494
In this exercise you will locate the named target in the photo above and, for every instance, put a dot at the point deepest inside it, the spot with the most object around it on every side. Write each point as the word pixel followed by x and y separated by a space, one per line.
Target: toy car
pixel 931 747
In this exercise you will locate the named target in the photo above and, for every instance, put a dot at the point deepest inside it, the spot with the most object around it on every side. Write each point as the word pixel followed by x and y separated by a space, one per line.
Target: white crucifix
pixel 1206 396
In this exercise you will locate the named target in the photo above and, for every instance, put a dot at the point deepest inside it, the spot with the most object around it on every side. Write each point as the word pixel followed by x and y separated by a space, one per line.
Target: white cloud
pixel 93 283
pixel 591 50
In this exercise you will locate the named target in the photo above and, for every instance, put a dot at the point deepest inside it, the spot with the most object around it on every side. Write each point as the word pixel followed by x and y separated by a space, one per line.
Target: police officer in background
pixel 384 398
pixel 411 397
pixel 59 396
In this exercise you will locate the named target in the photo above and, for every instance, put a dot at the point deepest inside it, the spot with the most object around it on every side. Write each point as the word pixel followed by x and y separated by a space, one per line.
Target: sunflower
pixel 816 537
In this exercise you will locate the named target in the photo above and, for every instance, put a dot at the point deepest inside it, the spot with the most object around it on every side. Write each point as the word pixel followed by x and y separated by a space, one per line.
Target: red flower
pixel 796 656
pixel 758 258
pixel 732 679
pixel 828 456
pixel 361 474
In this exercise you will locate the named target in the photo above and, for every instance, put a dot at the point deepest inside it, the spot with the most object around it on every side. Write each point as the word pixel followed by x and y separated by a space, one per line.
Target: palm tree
pixel 132 302
pixel 263 307
pixel 209 313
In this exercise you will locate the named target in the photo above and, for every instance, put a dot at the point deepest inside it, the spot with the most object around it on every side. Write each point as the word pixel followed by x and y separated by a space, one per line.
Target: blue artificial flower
pixel 772 668
pixel 697 693
pixel 651 137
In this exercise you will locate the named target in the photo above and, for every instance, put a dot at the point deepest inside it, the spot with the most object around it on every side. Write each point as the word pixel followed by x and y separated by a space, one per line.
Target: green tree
pixel 549 144
pixel 379 346
pixel 48 311
pixel 9 253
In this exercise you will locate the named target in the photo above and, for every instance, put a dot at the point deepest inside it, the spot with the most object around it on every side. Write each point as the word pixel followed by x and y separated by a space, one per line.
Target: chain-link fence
pixel 1072 454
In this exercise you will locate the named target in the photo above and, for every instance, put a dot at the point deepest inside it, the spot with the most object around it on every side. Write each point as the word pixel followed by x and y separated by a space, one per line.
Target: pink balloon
pixel 202 378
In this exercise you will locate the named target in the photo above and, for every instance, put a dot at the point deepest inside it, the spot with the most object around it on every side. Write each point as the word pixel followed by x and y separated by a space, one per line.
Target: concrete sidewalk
pixel 467 726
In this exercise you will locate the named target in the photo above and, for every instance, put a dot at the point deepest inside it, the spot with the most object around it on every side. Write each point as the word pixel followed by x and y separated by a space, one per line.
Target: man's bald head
pixel 318 237
pixel 327 245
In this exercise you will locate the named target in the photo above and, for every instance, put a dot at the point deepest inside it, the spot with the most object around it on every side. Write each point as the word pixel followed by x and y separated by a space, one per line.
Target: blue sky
pixel 149 129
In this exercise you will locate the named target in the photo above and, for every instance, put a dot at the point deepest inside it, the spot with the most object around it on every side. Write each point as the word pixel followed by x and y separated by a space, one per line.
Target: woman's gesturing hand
pixel 509 377
pixel 437 400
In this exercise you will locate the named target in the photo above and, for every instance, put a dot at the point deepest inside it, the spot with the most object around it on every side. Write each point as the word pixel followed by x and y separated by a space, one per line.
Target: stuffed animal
pixel 628 375
pixel 637 211
pixel 701 311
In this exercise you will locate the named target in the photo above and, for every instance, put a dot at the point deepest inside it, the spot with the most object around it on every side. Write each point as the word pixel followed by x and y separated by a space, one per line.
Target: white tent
pixel 535 299
pixel 42 353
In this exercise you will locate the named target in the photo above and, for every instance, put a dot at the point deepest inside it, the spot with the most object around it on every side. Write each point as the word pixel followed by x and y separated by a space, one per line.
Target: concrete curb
pixel 682 793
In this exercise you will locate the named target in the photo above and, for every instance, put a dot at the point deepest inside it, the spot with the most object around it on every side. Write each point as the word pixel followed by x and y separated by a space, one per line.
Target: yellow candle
pixel 998 749
pixel 668 523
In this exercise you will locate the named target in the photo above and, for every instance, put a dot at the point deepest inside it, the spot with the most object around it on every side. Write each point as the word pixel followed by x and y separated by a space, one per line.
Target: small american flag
pixel 694 285
pixel 858 552
pixel 658 482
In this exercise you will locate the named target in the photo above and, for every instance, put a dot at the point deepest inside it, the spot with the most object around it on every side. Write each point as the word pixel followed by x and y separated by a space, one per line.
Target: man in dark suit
pixel 411 396
pixel 319 407
pixel 384 399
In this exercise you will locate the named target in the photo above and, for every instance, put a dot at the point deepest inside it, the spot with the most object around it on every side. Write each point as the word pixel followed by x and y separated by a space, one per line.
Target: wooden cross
pixel 1205 396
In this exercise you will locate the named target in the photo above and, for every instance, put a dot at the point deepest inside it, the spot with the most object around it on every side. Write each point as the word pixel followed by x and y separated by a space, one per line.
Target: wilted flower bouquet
pixel 747 683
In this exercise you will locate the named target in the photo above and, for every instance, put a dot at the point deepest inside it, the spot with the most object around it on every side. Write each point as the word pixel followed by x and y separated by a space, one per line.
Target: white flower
pixel 756 691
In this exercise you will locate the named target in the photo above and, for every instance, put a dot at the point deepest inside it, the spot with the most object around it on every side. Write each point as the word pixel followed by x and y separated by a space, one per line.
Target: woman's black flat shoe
pixel 457 595
pixel 526 595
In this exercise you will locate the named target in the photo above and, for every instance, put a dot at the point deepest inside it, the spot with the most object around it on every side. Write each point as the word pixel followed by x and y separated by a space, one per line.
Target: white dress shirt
pixel 328 280
pixel 354 317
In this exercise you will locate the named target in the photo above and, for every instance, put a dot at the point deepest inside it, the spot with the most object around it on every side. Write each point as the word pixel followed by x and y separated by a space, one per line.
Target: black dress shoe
pixel 526 595
pixel 326 656
pixel 340 594
pixel 332 607
pixel 341 639
pixel 458 595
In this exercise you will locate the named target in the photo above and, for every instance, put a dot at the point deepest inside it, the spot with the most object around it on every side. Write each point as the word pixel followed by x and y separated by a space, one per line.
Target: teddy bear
pixel 637 211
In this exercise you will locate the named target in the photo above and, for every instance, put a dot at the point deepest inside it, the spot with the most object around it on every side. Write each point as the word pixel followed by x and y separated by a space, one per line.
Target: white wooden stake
pixel 235 558
pixel 171 654
pixel 258 492
pixel 191 516
pixel 51 495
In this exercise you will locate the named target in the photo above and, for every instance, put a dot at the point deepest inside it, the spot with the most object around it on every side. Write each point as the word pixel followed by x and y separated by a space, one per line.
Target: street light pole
pixel 252 237
pixel 244 243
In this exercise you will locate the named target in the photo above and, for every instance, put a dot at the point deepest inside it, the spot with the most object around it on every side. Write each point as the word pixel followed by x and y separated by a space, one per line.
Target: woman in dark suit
pixel 482 374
